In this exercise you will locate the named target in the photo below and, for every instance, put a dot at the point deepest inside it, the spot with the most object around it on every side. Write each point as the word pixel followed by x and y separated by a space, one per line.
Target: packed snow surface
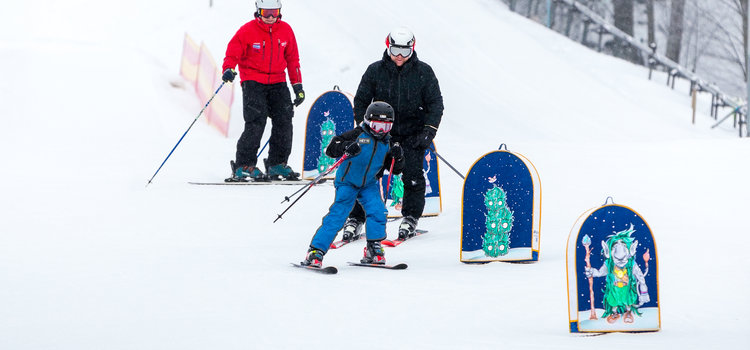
pixel 91 258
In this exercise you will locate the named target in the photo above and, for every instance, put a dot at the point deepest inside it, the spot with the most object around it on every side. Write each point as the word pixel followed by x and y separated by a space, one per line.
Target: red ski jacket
pixel 263 51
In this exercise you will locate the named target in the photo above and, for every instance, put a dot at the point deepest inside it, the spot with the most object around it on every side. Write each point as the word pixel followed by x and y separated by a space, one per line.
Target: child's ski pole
pixel 309 186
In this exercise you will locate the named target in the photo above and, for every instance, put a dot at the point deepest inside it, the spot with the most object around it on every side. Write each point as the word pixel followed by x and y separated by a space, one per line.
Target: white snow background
pixel 90 258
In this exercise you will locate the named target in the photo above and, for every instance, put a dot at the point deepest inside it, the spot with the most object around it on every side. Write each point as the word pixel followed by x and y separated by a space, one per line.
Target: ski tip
pixel 392 243
pixel 400 266
pixel 328 270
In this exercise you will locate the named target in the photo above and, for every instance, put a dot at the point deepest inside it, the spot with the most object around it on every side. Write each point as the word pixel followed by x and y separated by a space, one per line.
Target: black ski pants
pixel 414 186
pixel 261 101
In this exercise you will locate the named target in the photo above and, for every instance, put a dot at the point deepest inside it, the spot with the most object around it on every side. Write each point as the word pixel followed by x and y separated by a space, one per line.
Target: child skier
pixel 367 155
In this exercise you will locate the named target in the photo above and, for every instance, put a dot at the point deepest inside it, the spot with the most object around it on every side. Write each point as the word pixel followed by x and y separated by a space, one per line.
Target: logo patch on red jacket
pixel 283 44
pixel 256 46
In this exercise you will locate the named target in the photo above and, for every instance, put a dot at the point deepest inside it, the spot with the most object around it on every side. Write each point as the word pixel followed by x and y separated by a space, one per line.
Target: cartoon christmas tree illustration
pixel 327 132
pixel 499 222
pixel 397 191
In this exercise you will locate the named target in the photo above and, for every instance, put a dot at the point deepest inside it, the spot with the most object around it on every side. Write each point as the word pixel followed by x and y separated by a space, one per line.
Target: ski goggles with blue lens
pixel 269 13
pixel 404 51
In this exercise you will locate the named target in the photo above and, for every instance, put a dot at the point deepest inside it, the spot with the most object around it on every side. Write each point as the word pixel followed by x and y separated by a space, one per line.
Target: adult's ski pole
pixel 446 162
pixel 186 131
pixel 309 186
pixel 264 147
pixel 388 184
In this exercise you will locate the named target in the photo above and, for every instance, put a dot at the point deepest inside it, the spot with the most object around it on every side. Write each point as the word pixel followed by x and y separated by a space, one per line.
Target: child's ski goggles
pixel 380 127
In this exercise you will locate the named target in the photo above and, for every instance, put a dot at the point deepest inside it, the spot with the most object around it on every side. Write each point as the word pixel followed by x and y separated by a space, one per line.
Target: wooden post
pixel 695 93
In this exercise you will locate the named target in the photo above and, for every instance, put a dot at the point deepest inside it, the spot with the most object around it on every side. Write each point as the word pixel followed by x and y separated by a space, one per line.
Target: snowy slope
pixel 91 259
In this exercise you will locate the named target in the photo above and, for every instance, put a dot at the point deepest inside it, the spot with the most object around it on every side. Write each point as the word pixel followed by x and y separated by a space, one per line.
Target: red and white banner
pixel 199 68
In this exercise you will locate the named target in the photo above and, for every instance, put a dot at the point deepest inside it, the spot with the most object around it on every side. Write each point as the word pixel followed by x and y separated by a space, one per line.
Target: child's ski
pixel 328 270
pixel 400 266
pixel 397 241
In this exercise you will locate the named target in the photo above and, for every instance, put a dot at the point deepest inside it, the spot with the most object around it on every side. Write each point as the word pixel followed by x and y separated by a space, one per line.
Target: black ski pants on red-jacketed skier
pixel 261 101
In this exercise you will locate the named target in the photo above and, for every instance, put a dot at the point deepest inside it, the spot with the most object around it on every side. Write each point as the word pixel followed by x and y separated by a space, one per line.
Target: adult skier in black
pixel 411 87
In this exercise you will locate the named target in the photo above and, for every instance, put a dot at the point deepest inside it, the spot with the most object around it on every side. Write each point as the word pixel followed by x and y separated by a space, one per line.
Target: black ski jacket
pixel 412 90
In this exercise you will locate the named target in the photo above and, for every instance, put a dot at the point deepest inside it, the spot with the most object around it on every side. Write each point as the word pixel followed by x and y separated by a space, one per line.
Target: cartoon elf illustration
pixel 428 187
pixel 625 290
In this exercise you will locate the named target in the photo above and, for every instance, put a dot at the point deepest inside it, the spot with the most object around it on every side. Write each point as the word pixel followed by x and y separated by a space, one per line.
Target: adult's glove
pixel 299 94
pixel 228 75
pixel 424 138
pixel 352 149
pixel 397 153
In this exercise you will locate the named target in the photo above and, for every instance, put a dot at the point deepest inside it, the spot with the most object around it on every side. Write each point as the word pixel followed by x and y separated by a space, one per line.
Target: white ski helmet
pixel 267 4
pixel 400 41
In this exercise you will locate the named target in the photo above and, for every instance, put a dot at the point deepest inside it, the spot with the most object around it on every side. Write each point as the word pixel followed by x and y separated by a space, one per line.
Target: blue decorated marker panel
pixel 612 272
pixel 433 205
pixel 330 115
pixel 501 213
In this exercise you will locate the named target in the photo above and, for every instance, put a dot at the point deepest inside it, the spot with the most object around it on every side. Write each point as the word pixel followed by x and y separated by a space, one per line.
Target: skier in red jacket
pixel 263 48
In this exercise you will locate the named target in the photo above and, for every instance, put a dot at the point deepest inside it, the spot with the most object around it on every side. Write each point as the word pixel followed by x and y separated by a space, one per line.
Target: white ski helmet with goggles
pixel 267 5
pixel 400 41
pixel 379 118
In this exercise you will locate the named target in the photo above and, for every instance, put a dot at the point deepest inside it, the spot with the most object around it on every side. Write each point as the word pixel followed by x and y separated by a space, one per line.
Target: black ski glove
pixel 228 75
pixel 423 139
pixel 299 94
pixel 397 153
pixel 352 149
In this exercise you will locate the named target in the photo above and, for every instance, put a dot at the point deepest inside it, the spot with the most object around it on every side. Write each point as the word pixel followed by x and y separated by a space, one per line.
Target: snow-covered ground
pixel 92 259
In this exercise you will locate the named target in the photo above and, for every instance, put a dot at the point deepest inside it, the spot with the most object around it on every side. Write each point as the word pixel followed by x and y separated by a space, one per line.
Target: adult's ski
pixel 399 266
pixel 327 270
pixel 257 183
pixel 341 243
pixel 396 242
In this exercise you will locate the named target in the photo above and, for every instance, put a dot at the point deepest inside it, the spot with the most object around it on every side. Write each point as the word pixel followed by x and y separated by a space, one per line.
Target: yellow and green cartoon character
pixel 625 289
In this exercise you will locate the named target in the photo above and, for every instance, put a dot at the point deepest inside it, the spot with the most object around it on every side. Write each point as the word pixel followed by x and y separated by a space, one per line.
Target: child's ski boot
pixel 374 253
pixel 314 258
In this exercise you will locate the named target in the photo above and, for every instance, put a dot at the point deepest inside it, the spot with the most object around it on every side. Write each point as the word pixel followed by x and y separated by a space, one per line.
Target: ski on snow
pixel 385 242
pixel 328 270
pixel 341 243
pixel 332 270
pixel 399 266
pixel 398 241
pixel 257 183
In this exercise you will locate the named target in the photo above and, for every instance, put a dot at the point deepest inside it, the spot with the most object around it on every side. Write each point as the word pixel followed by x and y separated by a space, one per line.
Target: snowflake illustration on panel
pixel 327 132
pixel 498 222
